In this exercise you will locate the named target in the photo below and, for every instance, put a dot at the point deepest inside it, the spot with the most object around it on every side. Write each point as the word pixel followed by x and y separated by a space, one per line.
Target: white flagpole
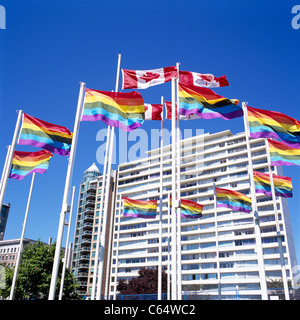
pixel 117 249
pixel 179 281
pixel 66 248
pixel 169 242
pixel 110 242
pixel 261 266
pixel 12 290
pixel 100 215
pixel 105 213
pixel 174 200
pixel 5 165
pixel 159 271
pixel 283 269
pixel 64 207
pixel 217 243
pixel 10 157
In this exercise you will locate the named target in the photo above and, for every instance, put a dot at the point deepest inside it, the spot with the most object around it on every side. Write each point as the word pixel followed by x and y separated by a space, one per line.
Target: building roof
pixel 15 241
pixel 93 168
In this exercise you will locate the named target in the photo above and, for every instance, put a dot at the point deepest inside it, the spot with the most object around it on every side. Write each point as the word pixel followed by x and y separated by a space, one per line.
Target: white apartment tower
pixel 219 158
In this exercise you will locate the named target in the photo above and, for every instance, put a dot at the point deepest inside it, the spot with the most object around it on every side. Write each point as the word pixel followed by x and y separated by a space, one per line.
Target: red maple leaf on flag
pixel 148 76
pixel 206 77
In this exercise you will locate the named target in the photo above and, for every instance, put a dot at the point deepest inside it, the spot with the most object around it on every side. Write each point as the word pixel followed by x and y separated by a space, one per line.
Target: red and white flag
pixel 143 79
pixel 168 105
pixel 202 80
pixel 153 111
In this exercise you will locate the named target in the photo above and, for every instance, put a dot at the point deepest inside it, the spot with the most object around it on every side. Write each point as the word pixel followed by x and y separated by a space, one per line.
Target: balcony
pixel 86 241
pixel 84 249
pixel 83 266
pixel 90 203
pixel 90 196
pixel 87 225
pixel 92 188
pixel 82 274
pixel 88 217
pixel 84 257
pixel 81 292
pixel 89 209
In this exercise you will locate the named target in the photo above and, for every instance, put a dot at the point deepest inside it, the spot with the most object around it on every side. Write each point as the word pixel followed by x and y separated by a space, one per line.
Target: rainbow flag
pixel 233 199
pixel 45 135
pixel 24 163
pixel 283 155
pixel 117 109
pixel 206 103
pixel 191 209
pixel 139 208
pixel 272 124
pixel 282 185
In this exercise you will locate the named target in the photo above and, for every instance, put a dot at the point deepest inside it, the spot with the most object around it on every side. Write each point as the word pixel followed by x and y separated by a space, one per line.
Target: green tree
pixel 34 276
pixel 145 283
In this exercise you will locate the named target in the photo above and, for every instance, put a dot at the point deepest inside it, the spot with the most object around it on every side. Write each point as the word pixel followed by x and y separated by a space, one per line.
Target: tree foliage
pixel 34 275
pixel 145 283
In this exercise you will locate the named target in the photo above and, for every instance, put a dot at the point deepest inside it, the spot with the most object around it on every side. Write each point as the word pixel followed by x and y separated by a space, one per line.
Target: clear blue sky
pixel 49 46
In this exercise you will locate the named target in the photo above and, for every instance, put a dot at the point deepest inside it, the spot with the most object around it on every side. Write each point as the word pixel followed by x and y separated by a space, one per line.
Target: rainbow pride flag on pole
pixel 282 185
pixel 283 155
pixel 191 209
pixel 272 124
pixel 24 163
pixel 233 199
pixel 45 135
pixel 139 208
pixel 116 109
pixel 206 103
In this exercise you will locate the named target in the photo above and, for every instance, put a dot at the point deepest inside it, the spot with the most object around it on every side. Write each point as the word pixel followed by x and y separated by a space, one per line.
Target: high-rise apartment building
pixel 108 234
pixel 86 228
pixel 219 158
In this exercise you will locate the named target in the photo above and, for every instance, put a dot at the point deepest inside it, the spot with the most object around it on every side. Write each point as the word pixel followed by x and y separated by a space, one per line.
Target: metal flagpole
pixel 110 242
pixel 217 243
pixel 118 241
pixel 179 281
pixel 10 157
pixel 174 200
pixel 66 249
pixel 261 266
pixel 100 215
pixel 64 207
pixel 12 290
pixel 159 275
pixel 5 165
pixel 283 269
pixel 169 242
pixel 105 213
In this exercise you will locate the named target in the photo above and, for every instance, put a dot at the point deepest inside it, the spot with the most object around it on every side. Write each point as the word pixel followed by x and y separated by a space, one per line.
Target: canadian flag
pixel 168 105
pixel 143 79
pixel 153 111
pixel 202 80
